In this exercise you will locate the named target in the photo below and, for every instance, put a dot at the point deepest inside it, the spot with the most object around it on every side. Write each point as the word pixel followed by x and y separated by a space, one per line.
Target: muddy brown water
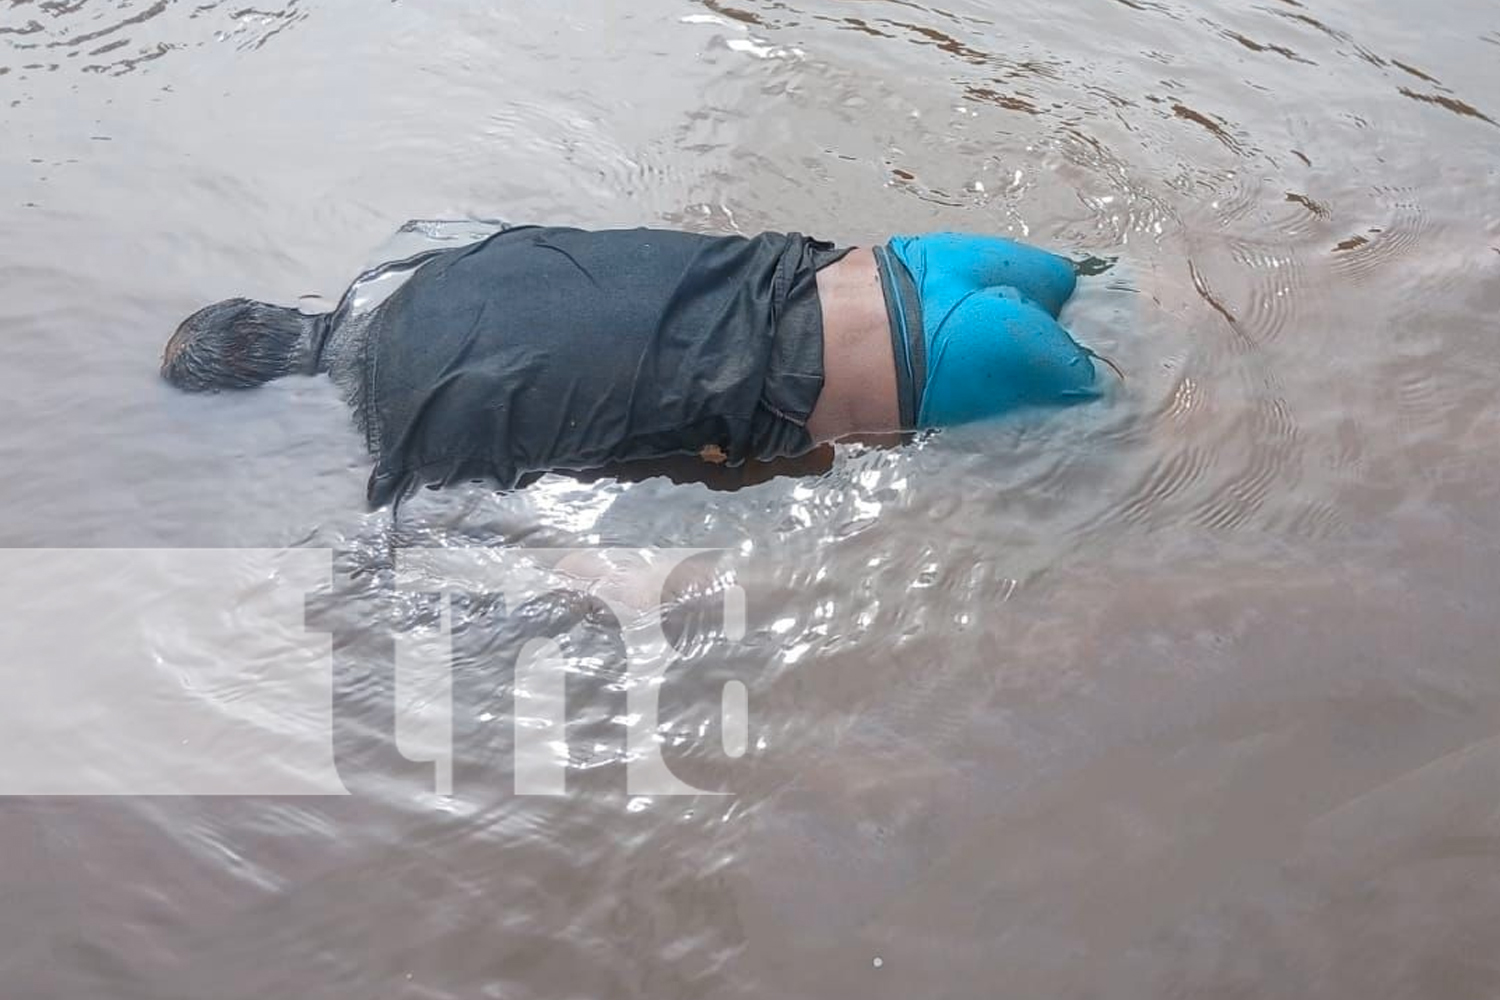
pixel 1195 692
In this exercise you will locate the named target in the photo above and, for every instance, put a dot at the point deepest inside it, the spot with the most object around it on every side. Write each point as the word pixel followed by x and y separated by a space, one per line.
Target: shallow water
pixel 1196 692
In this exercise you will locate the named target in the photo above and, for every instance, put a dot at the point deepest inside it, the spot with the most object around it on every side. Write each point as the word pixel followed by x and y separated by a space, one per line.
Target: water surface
pixel 1192 693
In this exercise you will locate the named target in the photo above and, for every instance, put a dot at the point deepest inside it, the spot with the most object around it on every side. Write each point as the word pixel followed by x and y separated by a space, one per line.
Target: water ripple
pixel 990 642
pixel 1393 240
pixel 1270 437
pixel 132 34
pixel 1278 289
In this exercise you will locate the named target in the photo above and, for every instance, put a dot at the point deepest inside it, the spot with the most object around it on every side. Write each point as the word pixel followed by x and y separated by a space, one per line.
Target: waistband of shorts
pixel 794 370
pixel 903 308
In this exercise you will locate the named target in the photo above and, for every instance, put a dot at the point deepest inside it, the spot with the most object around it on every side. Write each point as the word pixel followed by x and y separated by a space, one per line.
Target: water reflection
pixel 122 37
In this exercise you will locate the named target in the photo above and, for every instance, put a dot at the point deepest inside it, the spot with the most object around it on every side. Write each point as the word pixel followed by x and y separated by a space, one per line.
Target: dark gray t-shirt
pixel 548 348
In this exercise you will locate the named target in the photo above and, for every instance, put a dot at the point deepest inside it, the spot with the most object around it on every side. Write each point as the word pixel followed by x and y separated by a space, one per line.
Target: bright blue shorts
pixel 974 324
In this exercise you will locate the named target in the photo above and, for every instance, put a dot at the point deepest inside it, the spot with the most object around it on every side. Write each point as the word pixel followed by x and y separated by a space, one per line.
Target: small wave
pixel 1273 459
pixel 132 35
pixel 1216 127
pixel 1361 255
pixel 1315 521
pixel 1452 104
pixel 1255 46
pixel 1167 477
pixel 1316 208
pixel 1278 284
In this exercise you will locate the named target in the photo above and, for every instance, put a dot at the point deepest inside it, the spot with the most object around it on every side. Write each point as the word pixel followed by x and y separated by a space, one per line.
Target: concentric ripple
pixel 1391 238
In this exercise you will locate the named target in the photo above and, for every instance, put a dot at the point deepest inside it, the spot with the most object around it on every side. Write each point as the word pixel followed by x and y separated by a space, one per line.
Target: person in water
pixel 544 348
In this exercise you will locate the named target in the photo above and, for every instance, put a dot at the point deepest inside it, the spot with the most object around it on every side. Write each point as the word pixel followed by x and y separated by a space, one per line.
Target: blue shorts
pixel 974 326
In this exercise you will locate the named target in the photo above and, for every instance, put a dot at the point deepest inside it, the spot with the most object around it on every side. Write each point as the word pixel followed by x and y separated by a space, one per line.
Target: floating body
pixel 542 348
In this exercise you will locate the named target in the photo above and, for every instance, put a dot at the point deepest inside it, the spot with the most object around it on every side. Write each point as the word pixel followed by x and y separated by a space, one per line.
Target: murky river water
pixel 1196 692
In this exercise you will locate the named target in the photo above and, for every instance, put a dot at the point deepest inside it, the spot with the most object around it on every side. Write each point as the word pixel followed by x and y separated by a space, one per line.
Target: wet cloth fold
pixel 545 348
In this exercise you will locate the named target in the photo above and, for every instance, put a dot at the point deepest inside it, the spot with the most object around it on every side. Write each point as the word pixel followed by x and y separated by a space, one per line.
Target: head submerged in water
pixel 239 344
pixel 550 348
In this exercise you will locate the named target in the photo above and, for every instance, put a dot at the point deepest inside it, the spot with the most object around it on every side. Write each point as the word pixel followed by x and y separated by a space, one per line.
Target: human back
pixel 541 346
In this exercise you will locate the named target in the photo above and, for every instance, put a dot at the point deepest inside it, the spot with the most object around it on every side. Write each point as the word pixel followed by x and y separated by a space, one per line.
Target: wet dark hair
pixel 237 344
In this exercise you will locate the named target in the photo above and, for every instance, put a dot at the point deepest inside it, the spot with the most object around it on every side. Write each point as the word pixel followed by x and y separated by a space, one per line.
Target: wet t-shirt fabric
pixel 544 348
